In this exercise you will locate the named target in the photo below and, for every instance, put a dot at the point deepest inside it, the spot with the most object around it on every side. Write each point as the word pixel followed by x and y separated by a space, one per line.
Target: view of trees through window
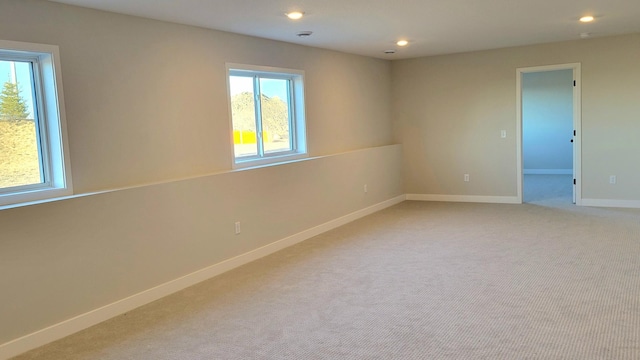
pixel 19 146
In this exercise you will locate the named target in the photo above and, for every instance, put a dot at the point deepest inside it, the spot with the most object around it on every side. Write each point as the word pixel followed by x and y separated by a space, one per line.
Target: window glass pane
pixel 267 110
pixel 276 126
pixel 20 162
pixel 243 115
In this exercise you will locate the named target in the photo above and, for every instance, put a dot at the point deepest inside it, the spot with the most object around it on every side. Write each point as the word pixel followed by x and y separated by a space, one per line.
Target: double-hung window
pixel 34 164
pixel 267 114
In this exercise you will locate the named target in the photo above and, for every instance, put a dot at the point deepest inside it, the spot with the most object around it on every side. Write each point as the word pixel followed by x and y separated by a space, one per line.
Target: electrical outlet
pixel 237 227
pixel 365 188
pixel 612 179
pixel 466 177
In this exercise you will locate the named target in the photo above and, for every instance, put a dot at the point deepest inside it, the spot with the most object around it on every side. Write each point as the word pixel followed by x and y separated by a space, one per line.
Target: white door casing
pixel 575 137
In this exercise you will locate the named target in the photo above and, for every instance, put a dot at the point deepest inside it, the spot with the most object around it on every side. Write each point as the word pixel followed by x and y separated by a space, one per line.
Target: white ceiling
pixel 368 27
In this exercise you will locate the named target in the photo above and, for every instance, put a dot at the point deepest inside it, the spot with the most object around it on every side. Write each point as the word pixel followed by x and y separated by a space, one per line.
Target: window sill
pixel 33 197
pixel 272 160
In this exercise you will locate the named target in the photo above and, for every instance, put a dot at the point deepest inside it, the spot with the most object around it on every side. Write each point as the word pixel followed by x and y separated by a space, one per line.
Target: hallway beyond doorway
pixel 556 188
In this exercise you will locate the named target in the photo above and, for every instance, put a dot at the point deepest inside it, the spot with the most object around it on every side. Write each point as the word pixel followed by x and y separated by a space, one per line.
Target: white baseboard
pixel 464 198
pixel 634 204
pixel 548 171
pixel 83 321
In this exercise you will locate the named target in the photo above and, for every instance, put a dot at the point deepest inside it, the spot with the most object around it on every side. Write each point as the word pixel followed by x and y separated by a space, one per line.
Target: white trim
pixel 51 119
pixel 297 115
pixel 548 171
pixel 93 317
pixel 465 198
pixel 519 134
pixel 634 204
pixel 270 160
pixel 577 124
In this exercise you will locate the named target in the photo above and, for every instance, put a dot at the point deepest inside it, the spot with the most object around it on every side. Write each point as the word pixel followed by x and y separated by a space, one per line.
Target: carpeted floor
pixel 420 280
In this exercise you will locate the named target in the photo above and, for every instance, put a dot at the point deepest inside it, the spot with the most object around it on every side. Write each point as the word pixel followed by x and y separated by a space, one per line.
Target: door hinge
pixel 574 133
pixel 574 83
pixel 574 181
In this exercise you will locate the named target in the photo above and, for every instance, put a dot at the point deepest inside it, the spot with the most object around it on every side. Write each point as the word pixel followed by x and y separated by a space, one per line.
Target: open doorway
pixel 549 121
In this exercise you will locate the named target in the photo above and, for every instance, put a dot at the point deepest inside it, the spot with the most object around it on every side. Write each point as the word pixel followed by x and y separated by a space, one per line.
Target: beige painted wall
pixel 449 110
pixel 146 102
pixel 65 258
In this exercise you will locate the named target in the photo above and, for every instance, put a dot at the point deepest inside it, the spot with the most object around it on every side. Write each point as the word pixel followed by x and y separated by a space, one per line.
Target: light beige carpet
pixel 419 280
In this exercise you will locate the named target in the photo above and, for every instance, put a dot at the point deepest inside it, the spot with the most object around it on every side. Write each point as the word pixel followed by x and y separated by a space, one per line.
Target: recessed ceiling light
pixel 586 19
pixel 295 15
pixel 402 43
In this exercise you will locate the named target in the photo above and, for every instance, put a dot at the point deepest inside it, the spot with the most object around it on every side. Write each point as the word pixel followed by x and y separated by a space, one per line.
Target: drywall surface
pixel 147 100
pixel 146 103
pixel 448 112
pixel 65 258
pixel 547 121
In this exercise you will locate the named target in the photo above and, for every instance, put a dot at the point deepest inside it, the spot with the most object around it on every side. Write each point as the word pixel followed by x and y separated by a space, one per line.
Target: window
pixel 267 114
pixel 34 164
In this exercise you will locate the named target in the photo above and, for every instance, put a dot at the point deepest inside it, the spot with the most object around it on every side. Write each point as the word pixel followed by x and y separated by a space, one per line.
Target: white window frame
pixel 51 122
pixel 298 135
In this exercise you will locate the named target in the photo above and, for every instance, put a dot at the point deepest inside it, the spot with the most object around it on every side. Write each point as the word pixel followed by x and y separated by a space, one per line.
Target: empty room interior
pixel 365 180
